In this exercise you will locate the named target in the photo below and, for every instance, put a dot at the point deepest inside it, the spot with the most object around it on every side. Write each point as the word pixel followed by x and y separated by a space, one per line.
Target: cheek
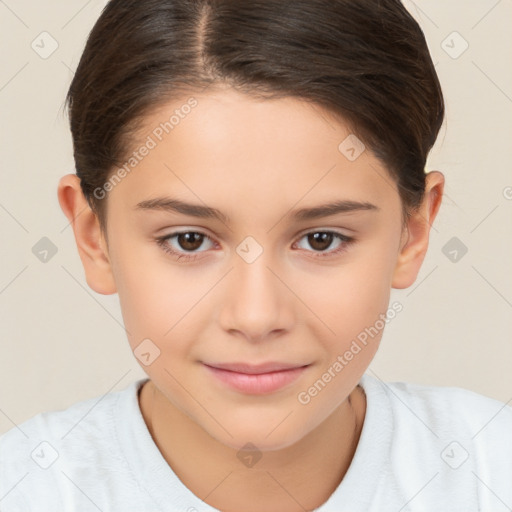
pixel 352 304
pixel 354 295
pixel 153 296
pixel 164 303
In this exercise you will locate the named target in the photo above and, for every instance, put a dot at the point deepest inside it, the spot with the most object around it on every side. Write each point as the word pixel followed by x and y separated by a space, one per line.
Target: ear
pixel 415 238
pixel 90 241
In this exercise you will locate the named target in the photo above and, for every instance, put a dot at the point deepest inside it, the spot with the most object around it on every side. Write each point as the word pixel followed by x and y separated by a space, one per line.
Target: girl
pixel 250 181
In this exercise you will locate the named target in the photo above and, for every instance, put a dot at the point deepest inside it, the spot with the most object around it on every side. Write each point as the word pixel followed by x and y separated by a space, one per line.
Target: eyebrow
pixel 195 210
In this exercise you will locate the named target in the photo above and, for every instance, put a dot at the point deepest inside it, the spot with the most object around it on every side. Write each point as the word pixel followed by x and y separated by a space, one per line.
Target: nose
pixel 257 303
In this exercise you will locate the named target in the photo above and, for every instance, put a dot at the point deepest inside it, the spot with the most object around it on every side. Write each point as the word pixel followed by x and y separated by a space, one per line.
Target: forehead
pixel 227 147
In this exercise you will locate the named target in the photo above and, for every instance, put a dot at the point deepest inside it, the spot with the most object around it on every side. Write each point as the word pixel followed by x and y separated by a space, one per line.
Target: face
pixel 268 278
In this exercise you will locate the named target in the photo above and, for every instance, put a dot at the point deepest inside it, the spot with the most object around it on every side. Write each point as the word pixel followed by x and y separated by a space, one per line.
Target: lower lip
pixel 257 384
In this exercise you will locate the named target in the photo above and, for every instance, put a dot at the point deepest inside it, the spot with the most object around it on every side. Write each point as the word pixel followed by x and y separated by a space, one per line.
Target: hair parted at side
pixel 366 61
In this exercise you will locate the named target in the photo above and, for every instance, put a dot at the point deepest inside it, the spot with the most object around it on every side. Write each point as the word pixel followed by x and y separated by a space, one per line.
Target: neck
pixel 296 478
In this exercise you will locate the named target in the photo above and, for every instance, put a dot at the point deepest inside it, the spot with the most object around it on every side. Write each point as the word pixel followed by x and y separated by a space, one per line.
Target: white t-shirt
pixel 422 448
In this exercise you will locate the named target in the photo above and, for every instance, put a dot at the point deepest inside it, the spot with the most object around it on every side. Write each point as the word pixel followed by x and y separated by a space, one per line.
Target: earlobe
pixel 90 241
pixel 417 231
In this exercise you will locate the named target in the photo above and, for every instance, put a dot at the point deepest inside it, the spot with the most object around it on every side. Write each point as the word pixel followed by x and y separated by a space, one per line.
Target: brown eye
pixel 189 241
pixel 320 241
pixel 185 244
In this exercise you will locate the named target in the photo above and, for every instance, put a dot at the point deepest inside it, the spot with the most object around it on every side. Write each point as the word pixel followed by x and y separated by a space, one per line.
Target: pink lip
pixel 256 379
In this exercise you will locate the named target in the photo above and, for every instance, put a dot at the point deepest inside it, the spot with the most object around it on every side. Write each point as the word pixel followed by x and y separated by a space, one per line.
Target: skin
pixel 256 161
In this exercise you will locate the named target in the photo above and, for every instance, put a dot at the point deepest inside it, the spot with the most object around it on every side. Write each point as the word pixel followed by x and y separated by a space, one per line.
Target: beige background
pixel 61 342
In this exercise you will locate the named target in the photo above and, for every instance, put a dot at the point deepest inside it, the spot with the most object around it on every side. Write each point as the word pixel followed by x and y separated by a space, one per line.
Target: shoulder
pixel 450 409
pixel 37 454
pixel 443 411
pixel 458 440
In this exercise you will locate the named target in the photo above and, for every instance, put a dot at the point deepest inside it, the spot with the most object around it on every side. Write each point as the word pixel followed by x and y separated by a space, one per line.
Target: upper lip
pixel 255 369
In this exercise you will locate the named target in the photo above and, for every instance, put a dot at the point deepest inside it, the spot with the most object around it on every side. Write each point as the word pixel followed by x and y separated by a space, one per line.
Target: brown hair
pixel 366 61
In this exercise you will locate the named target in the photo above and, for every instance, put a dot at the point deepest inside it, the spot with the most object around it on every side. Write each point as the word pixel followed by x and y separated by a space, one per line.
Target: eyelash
pixel 162 242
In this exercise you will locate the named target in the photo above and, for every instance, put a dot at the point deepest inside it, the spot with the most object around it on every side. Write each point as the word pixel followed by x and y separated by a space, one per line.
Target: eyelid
pixel 348 233
pixel 345 240
pixel 340 231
